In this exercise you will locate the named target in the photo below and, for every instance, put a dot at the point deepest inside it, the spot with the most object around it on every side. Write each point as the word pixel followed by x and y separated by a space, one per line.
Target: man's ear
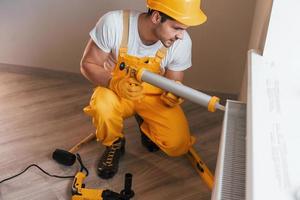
pixel 155 17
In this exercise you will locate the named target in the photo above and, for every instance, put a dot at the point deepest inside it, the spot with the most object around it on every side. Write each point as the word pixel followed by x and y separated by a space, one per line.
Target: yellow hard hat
pixel 187 12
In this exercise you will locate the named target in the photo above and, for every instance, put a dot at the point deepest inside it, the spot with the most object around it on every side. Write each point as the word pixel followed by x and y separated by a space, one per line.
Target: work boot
pixel 146 142
pixel 109 161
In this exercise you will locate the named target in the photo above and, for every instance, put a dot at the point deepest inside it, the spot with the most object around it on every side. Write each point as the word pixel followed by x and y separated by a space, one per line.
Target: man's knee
pixel 104 100
pixel 176 146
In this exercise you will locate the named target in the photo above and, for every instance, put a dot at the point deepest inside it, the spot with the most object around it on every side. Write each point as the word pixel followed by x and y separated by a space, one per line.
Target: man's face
pixel 169 31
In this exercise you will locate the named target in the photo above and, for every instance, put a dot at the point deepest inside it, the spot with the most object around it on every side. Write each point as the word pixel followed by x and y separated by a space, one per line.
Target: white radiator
pixel 231 165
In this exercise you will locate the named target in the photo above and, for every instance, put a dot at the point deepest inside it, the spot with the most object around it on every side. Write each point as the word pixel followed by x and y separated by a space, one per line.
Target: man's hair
pixel 164 17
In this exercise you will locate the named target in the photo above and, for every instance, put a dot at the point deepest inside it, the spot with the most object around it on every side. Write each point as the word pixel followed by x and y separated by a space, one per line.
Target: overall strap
pixel 124 42
pixel 160 54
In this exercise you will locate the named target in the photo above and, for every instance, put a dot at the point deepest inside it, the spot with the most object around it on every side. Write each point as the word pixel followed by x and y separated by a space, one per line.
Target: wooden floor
pixel 39 114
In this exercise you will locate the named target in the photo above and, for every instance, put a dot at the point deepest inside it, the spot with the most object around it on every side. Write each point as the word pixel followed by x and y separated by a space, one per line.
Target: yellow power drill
pixel 79 192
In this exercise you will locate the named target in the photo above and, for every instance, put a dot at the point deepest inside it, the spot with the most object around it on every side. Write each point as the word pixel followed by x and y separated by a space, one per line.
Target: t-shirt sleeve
pixel 180 54
pixel 104 33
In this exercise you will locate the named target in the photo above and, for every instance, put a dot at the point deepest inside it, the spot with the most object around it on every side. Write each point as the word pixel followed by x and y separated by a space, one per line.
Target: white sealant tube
pixel 178 89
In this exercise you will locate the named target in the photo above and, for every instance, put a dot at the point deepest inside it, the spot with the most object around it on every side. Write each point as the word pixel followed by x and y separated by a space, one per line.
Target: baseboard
pixel 42 72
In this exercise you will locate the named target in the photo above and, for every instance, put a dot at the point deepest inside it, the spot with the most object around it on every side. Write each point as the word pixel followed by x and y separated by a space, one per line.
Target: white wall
pixel 258 36
pixel 220 45
pixel 52 34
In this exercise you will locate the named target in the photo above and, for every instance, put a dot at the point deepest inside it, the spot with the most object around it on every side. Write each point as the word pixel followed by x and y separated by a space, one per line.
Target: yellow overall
pixel 165 126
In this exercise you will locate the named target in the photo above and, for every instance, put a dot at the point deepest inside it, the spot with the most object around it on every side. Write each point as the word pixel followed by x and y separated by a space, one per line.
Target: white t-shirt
pixel 107 34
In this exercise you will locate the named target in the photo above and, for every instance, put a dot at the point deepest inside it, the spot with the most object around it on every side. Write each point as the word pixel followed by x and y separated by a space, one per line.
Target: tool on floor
pixel 201 168
pixel 89 138
pixel 79 192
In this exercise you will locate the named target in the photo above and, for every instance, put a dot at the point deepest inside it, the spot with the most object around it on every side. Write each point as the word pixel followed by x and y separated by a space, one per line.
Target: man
pixel 156 41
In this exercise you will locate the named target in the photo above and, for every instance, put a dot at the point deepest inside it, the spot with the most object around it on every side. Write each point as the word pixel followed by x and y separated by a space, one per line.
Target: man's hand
pixel 170 99
pixel 127 87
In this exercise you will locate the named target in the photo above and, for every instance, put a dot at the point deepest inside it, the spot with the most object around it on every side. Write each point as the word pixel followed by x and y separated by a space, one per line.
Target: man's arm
pixel 174 75
pixel 92 64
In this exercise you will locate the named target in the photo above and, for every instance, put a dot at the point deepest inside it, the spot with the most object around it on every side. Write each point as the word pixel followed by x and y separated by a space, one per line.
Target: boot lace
pixel 111 154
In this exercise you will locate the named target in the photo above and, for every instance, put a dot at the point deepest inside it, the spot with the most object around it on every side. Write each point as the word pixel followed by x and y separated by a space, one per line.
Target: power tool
pixel 79 192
